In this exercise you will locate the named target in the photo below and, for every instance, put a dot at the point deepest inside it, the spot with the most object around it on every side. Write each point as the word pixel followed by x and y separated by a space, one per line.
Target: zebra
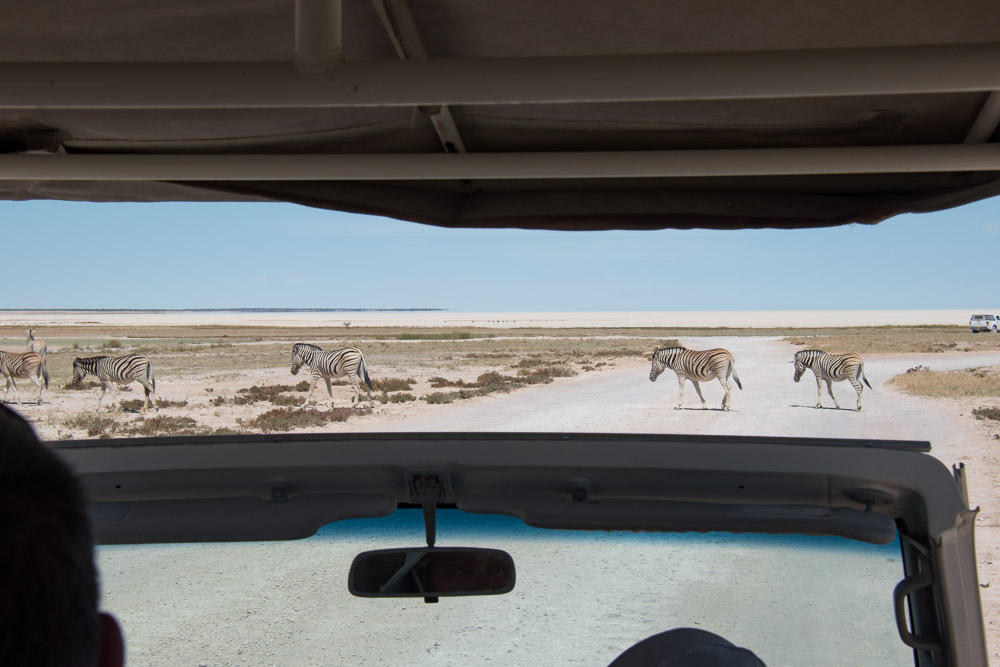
pixel 118 370
pixel 29 365
pixel 36 344
pixel 349 361
pixel 831 368
pixel 697 366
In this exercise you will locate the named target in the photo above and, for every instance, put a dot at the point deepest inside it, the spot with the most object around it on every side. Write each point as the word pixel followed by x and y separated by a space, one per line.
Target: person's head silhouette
pixel 48 581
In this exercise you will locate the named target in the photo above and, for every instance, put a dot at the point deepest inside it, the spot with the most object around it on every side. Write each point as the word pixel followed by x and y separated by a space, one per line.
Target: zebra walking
pixel 36 344
pixel 349 361
pixel 831 368
pixel 118 370
pixel 29 365
pixel 697 366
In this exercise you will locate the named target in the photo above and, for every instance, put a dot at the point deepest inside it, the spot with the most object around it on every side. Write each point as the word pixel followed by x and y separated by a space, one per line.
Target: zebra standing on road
pixel 36 344
pixel 831 368
pixel 29 365
pixel 347 361
pixel 118 370
pixel 697 366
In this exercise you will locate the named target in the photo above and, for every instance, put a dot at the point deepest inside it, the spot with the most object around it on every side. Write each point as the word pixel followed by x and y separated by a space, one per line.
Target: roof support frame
pixel 501 166
pixel 436 81
pixel 319 43
pixel 402 30
pixel 987 121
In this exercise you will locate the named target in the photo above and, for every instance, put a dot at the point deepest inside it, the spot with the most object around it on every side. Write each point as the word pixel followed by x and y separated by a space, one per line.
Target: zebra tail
pixel 364 370
pixel 736 377
pixel 861 372
pixel 45 373
pixel 149 376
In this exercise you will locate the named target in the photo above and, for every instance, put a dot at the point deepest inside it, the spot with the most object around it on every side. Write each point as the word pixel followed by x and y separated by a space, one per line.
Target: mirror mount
pixel 429 489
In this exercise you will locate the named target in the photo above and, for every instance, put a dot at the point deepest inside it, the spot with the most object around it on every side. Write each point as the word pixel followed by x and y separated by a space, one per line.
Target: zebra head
pixel 297 361
pixel 800 365
pixel 661 360
pixel 78 371
pixel 302 355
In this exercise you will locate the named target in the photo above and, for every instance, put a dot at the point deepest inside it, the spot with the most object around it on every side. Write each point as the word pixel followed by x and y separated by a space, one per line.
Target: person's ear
pixel 112 652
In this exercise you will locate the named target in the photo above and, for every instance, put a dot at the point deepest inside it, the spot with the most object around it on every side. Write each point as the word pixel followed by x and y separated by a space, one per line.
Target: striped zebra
pixel 697 366
pixel 347 361
pixel 36 344
pixel 29 365
pixel 118 370
pixel 831 368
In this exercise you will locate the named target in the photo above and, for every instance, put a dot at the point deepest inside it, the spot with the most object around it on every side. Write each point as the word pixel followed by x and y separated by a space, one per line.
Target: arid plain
pixel 517 372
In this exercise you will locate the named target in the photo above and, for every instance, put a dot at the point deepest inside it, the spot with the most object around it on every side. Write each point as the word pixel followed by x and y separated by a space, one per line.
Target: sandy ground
pixel 580 599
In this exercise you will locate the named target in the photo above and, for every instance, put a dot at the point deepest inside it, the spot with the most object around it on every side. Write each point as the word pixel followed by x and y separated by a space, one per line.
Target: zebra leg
pixel 356 399
pixel 114 395
pixel 729 390
pixel 829 388
pixel 7 390
pixel 17 394
pixel 697 388
pixel 819 390
pixel 858 388
pixel 329 390
pixel 680 399
pixel 312 388
pixel 104 390
pixel 145 401
pixel 38 383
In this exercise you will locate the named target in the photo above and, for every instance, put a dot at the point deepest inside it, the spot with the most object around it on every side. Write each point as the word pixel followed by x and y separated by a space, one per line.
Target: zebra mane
pixel 306 347
pixel 663 351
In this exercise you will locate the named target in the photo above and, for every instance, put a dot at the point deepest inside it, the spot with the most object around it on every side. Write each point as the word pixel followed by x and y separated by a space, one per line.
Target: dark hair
pixel 48 581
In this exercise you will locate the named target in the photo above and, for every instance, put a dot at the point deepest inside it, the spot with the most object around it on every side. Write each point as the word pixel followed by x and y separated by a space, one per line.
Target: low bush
pixel 95 425
pixel 393 384
pixel 163 425
pixel 987 413
pixel 136 404
pixel 272 393
pixel 398 398
pixel 286 419
pixel 86 384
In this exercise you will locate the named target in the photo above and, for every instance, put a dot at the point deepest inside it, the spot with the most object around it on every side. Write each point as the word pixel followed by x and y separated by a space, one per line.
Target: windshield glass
pixel 580 598
pixel 216 319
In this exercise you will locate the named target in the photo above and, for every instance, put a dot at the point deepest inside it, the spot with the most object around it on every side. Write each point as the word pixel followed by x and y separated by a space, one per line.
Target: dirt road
pixel 581 599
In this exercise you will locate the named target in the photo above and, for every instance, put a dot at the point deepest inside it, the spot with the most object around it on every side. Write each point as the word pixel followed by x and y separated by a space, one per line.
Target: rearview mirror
pixel 431 572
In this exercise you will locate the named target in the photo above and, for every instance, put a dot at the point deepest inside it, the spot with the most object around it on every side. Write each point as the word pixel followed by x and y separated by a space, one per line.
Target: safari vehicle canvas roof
pixel 559 114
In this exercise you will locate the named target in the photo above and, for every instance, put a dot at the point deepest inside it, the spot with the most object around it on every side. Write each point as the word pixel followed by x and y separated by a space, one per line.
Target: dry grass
pixel 889 340
pixel 970 382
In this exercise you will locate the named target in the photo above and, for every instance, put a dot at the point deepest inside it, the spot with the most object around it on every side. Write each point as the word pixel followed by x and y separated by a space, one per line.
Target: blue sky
pixel 182 255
